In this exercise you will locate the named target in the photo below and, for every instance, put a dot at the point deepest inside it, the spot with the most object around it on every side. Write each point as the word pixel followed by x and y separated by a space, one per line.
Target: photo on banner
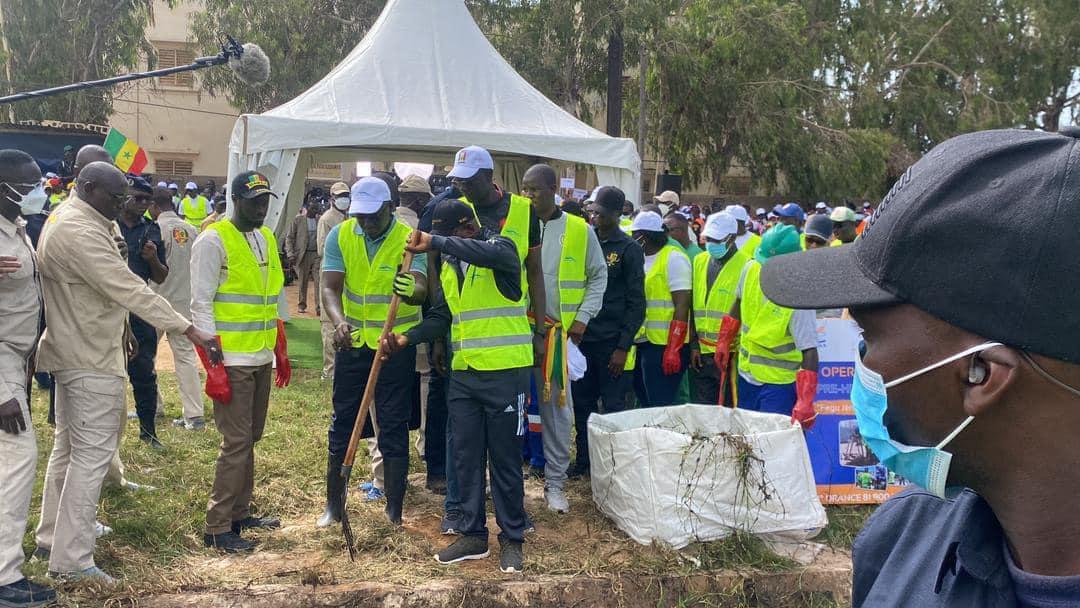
pixel 845 470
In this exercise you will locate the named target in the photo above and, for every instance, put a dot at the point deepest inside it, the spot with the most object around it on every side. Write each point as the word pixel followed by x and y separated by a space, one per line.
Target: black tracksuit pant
pixel 596 392
pixel 487 413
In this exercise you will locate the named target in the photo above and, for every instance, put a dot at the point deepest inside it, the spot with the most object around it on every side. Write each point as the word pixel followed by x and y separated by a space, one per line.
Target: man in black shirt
pixel 610 334
pixel 146 258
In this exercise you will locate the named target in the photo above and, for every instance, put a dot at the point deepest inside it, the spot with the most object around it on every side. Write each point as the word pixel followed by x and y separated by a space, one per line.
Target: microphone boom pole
pixel 229 50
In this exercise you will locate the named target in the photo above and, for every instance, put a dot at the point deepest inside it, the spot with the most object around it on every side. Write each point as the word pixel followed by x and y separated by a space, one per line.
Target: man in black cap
pixel 610 335
pixel 146 258
pixel 480 283
pixel 969 383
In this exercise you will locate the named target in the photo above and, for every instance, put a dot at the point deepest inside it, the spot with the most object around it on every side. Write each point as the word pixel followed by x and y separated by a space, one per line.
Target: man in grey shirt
pixel 575 278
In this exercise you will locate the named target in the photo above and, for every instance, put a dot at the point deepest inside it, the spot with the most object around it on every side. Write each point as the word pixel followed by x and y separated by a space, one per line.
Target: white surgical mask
pixel 341 203
pixel 31 203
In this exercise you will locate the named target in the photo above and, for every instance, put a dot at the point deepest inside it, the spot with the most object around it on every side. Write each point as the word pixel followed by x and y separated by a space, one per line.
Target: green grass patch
pixel 305 343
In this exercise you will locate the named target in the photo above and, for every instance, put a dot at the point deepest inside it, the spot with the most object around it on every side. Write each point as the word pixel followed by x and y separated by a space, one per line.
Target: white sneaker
pixel 101 529
pixel 556 500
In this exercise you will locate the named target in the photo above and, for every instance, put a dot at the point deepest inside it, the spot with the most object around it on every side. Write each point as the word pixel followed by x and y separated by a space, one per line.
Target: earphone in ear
pixel 977 371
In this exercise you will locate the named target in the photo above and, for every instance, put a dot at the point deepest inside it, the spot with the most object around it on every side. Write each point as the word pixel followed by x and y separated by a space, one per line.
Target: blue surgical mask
pixel 716 250
pixel 927 467
pixel 32 202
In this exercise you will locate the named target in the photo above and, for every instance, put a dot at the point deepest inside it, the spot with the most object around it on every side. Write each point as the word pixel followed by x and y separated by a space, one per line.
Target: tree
pixel 58 42
pixel 304 39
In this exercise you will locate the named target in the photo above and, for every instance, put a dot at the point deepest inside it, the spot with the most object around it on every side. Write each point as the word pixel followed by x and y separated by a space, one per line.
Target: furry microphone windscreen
pixel 252 67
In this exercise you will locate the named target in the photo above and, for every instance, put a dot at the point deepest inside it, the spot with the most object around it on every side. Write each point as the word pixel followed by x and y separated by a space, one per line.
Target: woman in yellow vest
pixel 663 354
pixel 481 288
pixel 360 276
pixel 716 277
pixel 778 358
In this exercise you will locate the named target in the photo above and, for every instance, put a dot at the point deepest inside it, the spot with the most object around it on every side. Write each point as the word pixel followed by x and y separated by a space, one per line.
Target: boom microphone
pixel 248 62
pixel 250 65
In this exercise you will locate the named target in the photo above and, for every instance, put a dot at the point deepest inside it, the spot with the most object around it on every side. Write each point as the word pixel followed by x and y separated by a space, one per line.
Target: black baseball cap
pixel 980 233
pixel 610 198
pixel 449 214
pixel 139 184
pixel 251 184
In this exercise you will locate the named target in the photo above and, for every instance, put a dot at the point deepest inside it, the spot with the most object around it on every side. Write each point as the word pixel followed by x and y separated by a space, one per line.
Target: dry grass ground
pixel 157 546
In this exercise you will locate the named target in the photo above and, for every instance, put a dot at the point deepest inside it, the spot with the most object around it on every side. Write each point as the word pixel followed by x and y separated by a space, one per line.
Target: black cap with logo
pixel 449 214
pixel 981 233
pixel 251 184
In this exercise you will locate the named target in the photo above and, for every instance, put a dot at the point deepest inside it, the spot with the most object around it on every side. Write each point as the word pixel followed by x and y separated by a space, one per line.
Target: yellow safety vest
pixel 624 224
pixel 659 308
pixel 751 245
pixel 712 303
pixel 194 210
pixel 490 332
pixel 836 243
pixel 766 348
pixel 369 284
pixel 245 306
pixel 575 246
pixel 802 241
pixel 55 200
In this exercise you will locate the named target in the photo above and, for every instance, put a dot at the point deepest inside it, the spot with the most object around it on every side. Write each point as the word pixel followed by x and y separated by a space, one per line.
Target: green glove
pixel 405 285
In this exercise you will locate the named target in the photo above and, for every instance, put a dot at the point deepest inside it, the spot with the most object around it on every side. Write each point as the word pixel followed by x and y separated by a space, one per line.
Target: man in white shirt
pixel 179 238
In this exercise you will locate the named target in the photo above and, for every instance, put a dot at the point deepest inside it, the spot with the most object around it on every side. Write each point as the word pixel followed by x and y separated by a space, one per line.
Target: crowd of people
pixel 505 293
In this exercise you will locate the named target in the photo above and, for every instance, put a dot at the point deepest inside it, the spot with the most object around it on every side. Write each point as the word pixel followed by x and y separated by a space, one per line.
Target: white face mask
pixel 341 203
pixel 31 203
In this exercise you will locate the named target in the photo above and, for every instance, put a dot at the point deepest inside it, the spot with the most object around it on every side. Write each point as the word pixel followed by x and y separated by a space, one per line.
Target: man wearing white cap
pixel 821 208
pixel 175 190
pixel 663 354
pixel 716 278
pixel 360 277
pixel 194 207
pixel 339 206
pixel 668 201
pixel 844 222
pixel 745 240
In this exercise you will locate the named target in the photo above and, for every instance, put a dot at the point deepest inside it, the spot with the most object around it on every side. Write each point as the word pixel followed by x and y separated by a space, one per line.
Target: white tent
pixel 422 83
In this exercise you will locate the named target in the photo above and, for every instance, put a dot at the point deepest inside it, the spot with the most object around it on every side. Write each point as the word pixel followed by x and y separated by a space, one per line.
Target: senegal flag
pixel 127 155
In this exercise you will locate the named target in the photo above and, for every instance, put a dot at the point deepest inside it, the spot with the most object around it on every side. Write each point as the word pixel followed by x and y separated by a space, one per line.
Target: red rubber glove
pixel 217 379
pixel 282 368
pixel 805 389
pixel 676 337
pixel 729 329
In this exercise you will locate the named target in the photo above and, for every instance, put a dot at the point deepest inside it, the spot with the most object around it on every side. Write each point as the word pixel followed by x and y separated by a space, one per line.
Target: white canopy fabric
pixel 422 83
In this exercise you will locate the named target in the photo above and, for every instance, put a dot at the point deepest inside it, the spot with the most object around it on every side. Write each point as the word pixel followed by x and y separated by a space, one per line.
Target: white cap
pixel 368 195
pixel 720 226
pixel 647 220
pixel 174 186
pixel 842 214
pixel 162 185
pixel 821 205
pixel 191 186
pixel 470 160
pixel 51 175
pixel 738 212
pixel 760 211
pixel 670 197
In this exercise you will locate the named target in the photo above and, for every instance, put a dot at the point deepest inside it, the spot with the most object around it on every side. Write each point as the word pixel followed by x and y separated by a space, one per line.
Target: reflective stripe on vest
pixel 659 308
pixel 194 210
pixel 246 304
pixel 572 268
pixel 767 349
pixel 369 285
pixel 488 331
pixel 711 303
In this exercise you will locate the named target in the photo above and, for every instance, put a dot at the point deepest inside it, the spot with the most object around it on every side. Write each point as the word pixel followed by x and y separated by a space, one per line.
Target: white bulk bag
pixel 671 474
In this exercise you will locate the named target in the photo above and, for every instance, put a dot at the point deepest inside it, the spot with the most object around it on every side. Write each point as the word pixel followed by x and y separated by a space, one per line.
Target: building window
pixel 173 166
pixel 169 58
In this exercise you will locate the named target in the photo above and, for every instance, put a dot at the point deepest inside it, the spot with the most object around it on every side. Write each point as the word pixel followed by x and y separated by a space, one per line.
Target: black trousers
pixel 654 388
pixel 435 429
pixel 394 396
pixel 596 392
pixel 143 376
pixel 487 413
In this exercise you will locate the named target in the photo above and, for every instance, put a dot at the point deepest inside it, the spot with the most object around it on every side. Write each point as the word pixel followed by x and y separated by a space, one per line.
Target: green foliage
pixel 304 40
pixel 58 42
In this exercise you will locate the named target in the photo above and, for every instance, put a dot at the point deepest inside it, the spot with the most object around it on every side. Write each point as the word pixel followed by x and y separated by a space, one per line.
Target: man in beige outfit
pixel 336 214
pixel 179 236
pixel 89 291
pixel 304 258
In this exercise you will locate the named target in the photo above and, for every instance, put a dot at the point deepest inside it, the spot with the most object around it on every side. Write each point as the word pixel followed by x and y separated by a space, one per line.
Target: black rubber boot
pixel 396 474
pixel 335 492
